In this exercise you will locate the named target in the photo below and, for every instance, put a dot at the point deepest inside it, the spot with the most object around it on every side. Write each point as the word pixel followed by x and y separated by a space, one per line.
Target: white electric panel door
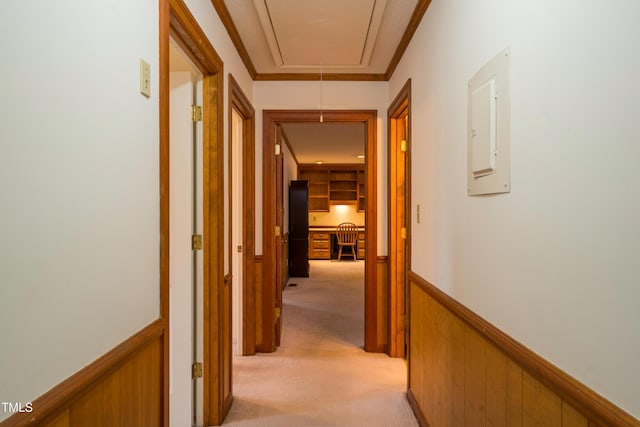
pixel 483 129
pixel 489 128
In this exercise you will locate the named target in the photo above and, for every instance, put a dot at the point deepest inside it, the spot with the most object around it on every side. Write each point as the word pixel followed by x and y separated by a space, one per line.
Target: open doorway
pixel 272 120
pixel 177 22
pixel 185 221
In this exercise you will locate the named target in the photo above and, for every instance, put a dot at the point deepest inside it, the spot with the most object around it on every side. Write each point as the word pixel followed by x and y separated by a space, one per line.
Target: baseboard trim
pixel 416 409
pixel 587 401
pixel 52 402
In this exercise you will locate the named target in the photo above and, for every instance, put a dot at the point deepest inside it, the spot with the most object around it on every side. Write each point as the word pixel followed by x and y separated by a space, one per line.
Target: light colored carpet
pixel 320 376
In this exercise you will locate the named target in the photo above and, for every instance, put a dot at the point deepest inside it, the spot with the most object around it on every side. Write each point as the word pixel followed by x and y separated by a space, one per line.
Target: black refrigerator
pixel 299 229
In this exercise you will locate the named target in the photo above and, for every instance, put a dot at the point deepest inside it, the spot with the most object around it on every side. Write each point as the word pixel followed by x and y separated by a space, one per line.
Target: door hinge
pixel 196 242
pixel 278 312
pixel 403 233
pixel 277 149
pixel 196 370
pixel 277 230
pixel 405 323
pixel 403 145
pixel 196 113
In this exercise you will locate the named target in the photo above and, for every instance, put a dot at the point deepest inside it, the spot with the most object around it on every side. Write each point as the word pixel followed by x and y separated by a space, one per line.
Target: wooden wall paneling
pixel 494 379
pixel 514 394
pixel 433 367
pixel 140 388
pixel 226 357
pixel 88 410
pixel 417 350
pixel 458 368
pixel 572 418
pixel 123 387
pixel 475 391
pixel 540 406
pixel 60 421
pixel 111 400
pixel 259 273
pixel 382 267
pixel 497 387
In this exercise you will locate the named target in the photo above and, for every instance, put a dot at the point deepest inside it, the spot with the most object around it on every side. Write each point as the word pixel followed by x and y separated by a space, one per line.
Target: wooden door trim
pixel 270 119
pixel 398 291
pixel 239 102
pixel 176 20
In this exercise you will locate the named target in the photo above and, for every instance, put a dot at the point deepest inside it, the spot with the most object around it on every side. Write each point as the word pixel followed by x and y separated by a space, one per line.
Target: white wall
pixel 336 96
pixel 79 209
pixel 555 262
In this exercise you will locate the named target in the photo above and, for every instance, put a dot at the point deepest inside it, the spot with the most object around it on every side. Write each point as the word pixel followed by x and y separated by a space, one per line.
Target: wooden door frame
pixel 239 102
pixel 177 21
pixel 398 318
pixel 270 119
pixel 279 267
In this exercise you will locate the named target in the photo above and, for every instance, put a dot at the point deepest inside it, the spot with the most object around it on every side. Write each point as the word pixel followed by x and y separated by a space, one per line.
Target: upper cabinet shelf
pixel 333 184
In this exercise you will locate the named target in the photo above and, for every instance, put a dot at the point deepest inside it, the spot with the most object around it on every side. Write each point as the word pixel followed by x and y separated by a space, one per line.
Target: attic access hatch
pixel 489 128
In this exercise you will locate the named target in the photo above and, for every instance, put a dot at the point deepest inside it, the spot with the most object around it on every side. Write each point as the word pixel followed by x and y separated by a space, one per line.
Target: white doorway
pixel 185 220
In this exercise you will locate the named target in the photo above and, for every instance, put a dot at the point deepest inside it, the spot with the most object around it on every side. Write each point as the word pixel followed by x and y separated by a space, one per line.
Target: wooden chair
pixel 347 234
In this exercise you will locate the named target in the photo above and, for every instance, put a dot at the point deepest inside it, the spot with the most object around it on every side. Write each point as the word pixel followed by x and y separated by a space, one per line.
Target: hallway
pixel 320 376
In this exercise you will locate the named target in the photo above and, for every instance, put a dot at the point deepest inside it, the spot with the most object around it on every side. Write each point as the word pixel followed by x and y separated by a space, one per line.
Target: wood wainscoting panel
pixel 572 418
pixel 61 420
pixel 122 388
pixel 88 410
pixel 259 274
pixel 382 309
pixel 497 386
pixel 463 371
pixel 541 407
pixel 514 394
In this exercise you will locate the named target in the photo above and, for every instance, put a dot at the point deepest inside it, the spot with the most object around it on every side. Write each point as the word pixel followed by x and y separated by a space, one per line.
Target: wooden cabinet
pixel 334 184
pixel 319 245
pixel 361 191
pixel 360 245
pixel 318 188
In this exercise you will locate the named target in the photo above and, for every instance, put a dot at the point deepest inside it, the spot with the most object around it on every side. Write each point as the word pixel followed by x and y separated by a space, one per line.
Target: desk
pixel 323 243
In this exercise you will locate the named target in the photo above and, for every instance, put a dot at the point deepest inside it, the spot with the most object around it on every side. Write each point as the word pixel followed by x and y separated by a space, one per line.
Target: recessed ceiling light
pixel 361 156
pixel 319 162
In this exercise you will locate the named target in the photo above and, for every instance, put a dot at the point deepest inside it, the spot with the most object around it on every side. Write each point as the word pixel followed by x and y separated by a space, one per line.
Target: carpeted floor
pixel 320 376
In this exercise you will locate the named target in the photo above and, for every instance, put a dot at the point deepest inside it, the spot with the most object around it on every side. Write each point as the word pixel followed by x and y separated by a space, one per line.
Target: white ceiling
pixel 298 36
pixel 326 142
pixel 300 39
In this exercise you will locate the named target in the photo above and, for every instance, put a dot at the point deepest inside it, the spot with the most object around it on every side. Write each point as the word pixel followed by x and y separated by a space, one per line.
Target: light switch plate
pixel 489 128
pixel 145 78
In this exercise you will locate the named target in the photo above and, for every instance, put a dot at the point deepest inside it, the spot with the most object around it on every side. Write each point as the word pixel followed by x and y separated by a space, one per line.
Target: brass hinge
pixel 403 145
pixel 278 312
pixel 196 113
pixel 277 230
pixel 404 321
pixel 196 370
pixel 403 233
pixel 196 242
pixel 277 149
